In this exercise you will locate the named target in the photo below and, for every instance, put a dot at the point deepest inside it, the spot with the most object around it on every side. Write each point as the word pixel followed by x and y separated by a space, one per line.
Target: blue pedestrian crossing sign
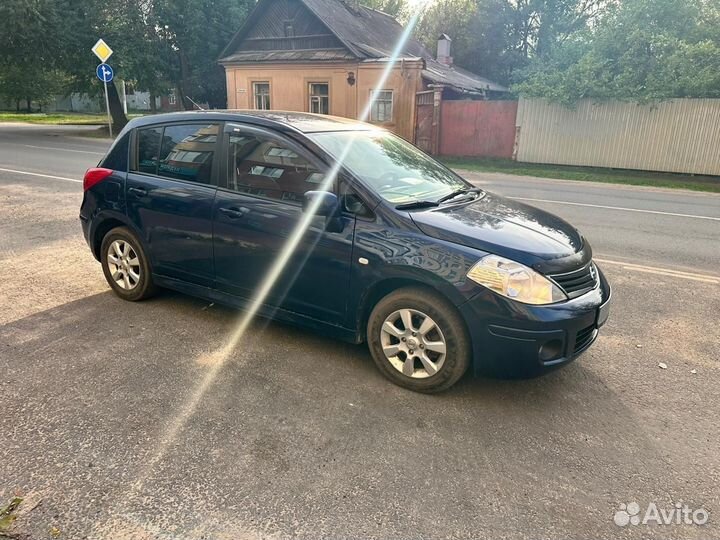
pixel 104 72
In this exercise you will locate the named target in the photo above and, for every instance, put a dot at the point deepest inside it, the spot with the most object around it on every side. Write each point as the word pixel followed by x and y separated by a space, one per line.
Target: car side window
pixel 187 152
pixel 184 152
pixel 148 149
pixel 117 159
pixel 263 166
pixel 351 202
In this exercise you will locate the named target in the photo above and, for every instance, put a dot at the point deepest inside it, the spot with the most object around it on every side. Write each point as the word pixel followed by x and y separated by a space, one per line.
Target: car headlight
pixel 515 281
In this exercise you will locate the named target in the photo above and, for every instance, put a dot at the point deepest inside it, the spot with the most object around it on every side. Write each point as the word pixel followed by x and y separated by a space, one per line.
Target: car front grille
pixel 577 282
pixel 583 338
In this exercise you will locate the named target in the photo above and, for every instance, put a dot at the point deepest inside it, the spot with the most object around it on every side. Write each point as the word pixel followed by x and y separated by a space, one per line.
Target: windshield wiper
pixel 457 193
pixel 424 203
pixel 417 204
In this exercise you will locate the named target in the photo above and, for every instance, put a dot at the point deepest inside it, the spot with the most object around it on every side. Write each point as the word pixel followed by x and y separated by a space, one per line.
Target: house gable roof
pixel 367 32
pixel 362 33
pixel 276 26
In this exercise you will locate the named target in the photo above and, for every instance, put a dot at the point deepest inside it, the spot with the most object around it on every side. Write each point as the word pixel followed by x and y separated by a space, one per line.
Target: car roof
pixel 284 120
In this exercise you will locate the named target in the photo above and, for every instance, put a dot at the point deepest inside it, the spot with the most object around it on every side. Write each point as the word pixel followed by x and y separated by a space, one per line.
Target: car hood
pixel 510 229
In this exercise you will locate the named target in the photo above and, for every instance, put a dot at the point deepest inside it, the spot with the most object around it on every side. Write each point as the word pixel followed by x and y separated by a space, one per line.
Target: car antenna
pixel 191 101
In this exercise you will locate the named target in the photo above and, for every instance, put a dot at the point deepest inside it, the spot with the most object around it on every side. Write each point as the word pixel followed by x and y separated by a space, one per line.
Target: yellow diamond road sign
pixel 102 50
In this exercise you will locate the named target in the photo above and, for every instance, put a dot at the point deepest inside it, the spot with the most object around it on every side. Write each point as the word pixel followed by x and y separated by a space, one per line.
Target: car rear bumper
pixel 85 223
pixel 519 340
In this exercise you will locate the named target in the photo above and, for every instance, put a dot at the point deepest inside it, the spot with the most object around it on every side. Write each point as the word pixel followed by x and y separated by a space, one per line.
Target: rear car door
pixel 170 191
pixel 257 209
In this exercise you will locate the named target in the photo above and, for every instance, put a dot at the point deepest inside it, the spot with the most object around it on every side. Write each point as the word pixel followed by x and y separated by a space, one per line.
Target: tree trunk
pixel 544 35
pixel 180 93
pixel 17 105
pixel 119 120
pixel 183 86
pixel 28 101
pixel 153 104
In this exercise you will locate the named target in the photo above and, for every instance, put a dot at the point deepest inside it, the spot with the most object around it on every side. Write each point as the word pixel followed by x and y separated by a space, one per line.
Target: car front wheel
pixel 418 340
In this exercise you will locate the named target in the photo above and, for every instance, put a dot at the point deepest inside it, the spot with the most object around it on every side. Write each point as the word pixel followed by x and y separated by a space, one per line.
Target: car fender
pixel 100 220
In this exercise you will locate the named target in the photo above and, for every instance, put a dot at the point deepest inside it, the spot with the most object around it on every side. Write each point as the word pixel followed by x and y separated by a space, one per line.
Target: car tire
pixel 412 357
pixel 126 266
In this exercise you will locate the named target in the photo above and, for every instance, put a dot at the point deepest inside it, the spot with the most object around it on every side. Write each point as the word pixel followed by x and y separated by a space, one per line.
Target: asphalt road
pixel 118 421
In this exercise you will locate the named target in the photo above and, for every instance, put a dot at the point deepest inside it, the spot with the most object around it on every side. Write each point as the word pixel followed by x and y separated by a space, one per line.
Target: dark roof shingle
pixel 368 33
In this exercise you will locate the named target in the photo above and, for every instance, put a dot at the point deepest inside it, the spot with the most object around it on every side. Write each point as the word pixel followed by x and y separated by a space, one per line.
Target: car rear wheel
pixel 125 265
pixel 418 340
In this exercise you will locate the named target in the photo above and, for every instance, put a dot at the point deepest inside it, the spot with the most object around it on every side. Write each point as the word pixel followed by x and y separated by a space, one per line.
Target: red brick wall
pixel 478 128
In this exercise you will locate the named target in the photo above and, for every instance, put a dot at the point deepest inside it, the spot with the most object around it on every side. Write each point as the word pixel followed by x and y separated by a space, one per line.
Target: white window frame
pixel 265 98
pixel 317 98
pixel 374 110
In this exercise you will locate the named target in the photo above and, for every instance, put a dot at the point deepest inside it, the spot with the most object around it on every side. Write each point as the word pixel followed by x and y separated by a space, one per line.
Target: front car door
pixel 170 192
pixel 257 209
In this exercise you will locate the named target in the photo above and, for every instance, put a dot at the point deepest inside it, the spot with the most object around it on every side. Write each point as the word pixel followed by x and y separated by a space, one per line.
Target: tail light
pixel 95 175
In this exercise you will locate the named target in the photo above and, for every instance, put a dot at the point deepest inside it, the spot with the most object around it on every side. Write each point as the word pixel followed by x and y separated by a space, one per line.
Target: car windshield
pixel 394 168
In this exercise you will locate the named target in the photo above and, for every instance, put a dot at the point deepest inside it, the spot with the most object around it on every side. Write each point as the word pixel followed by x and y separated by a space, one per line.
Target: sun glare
pixel 217 359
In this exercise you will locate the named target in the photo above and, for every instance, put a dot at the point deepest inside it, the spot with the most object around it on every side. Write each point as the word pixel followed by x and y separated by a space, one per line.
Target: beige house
pixel 327 56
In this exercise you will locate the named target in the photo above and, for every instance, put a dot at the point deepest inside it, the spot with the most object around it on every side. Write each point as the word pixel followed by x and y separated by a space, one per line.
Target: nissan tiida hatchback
pixel 376 241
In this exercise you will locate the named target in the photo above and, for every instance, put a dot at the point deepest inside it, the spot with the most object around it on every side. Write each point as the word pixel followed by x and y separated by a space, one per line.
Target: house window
pixel 261 93
pixel 172 98
pixel 319 98
pixel 382 107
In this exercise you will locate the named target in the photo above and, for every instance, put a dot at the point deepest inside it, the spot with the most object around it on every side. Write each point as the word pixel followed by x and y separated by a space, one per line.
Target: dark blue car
pixel 347 229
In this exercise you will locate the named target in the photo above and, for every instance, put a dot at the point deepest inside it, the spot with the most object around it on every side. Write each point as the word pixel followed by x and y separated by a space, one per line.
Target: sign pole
pixel 103 52
pixel 107 106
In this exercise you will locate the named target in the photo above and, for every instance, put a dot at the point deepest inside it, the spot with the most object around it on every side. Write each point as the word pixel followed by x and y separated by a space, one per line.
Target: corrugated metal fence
pixel 478 128
pixel 682 135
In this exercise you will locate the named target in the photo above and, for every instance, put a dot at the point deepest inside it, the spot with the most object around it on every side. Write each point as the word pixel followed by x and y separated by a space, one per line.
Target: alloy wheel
pixel 413 343
pixel 124 265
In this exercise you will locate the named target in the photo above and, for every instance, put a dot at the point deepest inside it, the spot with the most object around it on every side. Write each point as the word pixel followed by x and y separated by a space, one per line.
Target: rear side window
pixel 187 152
pixel 117 159
pixel 183 152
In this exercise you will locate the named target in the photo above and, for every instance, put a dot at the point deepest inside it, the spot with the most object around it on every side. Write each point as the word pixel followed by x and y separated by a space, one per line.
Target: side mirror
pixel 323 203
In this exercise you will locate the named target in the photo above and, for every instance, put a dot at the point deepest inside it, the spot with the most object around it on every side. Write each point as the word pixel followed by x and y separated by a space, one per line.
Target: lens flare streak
pixel 218 358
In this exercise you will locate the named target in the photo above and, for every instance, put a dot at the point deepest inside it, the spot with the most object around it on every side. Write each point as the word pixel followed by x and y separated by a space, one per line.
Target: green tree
pixel 499 38
pixel 451 17
pixel 27 64
pixel 21 85
pixel 537 26
pixel 640 50
pixel 396 8
pixel 192 35
pixel 132 29
pixel 158 45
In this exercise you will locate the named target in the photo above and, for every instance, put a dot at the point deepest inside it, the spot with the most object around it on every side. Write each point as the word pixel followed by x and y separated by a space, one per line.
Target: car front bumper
pixel 519 340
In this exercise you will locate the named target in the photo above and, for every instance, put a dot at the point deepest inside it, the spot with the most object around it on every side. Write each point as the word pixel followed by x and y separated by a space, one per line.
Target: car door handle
pixel 234 212
pixel 140 192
